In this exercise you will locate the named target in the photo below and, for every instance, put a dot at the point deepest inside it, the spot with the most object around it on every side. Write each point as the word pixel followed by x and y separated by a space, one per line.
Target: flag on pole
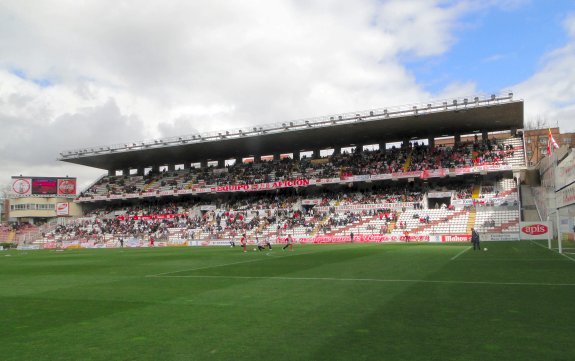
pixel 551 143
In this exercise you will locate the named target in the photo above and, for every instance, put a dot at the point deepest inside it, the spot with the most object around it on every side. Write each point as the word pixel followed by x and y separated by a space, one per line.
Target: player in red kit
pixel 289 242
pixel 244 242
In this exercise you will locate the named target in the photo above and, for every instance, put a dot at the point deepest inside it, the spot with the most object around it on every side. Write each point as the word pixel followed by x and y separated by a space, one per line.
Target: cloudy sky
pixel 96 72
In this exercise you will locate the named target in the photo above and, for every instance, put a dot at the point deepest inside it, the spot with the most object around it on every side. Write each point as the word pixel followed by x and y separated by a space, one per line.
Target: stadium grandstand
pixel 418 173
pixel 426 172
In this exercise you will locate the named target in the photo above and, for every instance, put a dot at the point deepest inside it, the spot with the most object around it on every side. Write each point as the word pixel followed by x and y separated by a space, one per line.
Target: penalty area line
pixel 165 274
pixel 377 280
pixel 553 250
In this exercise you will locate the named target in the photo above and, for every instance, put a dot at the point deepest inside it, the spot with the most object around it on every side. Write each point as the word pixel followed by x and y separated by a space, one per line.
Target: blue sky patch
pixel 495 48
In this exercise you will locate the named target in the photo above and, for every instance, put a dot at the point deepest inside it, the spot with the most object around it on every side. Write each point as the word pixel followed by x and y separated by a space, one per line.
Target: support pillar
pixel 296 155
pixel 111 172
pixel 316 154
pixel 457 138
pixel 431 142
pixel 484 136
pixel 171 167
pixel 141 171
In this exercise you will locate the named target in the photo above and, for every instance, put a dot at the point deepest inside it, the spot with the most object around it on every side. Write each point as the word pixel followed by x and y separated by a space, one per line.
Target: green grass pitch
pixel 332 302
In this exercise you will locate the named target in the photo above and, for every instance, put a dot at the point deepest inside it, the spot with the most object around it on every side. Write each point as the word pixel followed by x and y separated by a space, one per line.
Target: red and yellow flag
pixel 551 143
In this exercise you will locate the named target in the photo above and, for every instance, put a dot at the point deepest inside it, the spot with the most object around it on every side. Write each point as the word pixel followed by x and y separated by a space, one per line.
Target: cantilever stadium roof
pixel 361 128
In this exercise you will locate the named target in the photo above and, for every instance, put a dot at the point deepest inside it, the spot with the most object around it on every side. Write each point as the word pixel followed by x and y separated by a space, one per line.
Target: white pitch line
pixel 378 280
pixel 552 250
pixel 570 258
pixel 540 245
pixel 460 253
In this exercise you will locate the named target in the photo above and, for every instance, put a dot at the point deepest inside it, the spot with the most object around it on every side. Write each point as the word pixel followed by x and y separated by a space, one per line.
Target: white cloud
pixel 131 70
pixel 549 94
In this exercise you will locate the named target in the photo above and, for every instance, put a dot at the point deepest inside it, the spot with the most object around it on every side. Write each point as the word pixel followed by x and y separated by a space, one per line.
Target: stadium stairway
pixel 528 206
pixel 150 185
pixel 471 220
pixel 408 161
pixel 318 226
pixel 346 229
pixel 476 191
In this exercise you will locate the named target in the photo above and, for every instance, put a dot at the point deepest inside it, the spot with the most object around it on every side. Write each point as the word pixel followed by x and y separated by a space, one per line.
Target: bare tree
pixel 537 123
pixel 5 191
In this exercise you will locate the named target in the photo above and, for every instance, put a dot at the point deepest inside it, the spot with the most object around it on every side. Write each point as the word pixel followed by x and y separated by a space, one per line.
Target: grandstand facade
pixel 426 172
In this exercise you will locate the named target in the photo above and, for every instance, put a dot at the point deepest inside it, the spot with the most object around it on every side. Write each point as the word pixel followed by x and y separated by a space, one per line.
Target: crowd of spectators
pixel 414 157
pixel 314 211
pixel 255 213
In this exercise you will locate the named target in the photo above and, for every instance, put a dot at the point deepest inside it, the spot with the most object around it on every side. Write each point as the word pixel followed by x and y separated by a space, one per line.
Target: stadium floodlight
pixel 465 101
pixel 510 95
pixel 307 123
pixel 492 96
pixel 291 124
pixel 371 113
pixel 340 117
pixel 428 106
pixel 415 109
pixel 455 102
pixel 476 99
pixel 444 105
